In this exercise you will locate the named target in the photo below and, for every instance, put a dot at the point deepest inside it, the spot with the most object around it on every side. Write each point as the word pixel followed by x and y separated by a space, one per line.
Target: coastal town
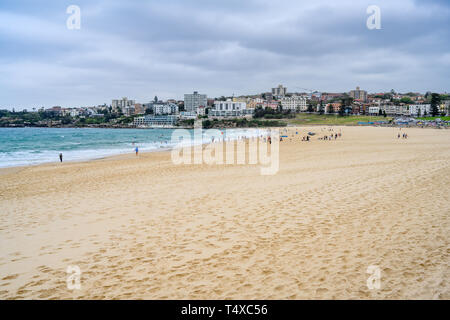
pixel 272 108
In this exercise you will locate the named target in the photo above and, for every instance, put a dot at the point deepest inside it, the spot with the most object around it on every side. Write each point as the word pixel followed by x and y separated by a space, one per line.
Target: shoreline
pixel 168 149
pixel 163 149
pixel 3 170
pixel 119 156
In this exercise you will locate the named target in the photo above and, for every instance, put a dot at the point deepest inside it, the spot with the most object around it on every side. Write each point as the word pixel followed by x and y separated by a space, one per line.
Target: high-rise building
pixel 193 101
pixel 279 91
pixel 358 94
pixel 122 103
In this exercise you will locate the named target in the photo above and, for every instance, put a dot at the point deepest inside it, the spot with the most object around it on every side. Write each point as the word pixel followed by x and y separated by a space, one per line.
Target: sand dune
pixel 148 229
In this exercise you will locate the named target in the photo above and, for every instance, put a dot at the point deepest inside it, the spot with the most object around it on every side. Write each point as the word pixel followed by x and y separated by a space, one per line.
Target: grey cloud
pixel 142 49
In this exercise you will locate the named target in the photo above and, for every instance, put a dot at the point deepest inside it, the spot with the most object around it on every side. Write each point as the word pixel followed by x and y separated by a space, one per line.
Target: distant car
pixel 311 133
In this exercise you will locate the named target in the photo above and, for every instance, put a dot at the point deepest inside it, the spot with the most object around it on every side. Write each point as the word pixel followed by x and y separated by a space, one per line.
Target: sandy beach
pixel 145 228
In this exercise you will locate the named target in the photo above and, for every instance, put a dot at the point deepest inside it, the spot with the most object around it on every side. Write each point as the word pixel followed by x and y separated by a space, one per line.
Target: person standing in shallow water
pixel 60 157
pixel 137 150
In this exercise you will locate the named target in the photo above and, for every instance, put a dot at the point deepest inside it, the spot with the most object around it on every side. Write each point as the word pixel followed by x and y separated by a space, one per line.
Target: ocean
pixel 30 146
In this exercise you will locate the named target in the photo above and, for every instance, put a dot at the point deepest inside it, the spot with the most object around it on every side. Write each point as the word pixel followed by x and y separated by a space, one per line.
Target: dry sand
pixel 145 228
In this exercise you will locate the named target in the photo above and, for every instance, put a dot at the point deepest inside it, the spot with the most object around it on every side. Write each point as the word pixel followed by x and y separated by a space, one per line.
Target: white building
pixel 415 109
pixel 229 109
pixel 201 111
pixel 155 121
pixel 392 109
pixel 294 103
pixel 74 113
pixel 166 108
pixel 188 115
pixel 374 110
pixel 195 100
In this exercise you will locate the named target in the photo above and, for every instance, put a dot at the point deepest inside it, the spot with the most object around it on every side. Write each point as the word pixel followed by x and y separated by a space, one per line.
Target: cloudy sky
pixel 140 49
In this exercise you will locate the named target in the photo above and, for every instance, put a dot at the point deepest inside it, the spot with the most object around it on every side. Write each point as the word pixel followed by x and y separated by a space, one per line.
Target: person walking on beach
pixel 137 150
pixel 60 157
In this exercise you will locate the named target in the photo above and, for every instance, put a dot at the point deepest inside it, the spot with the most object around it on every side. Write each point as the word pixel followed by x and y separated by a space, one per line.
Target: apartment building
pixel 229 109
pixel 444 107
pixel 279 91
pixel 294 103
pixel 253 103
pixel 358 94
pixel 373 110
pixel 419 109
pixel 194 100
pixel 155 121
pixel 165 108
pixel 122 103
pixel 391 109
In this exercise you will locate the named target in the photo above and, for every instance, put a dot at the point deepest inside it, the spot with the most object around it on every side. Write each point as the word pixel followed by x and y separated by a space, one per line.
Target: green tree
pixel 435 100
pixel 206 124
pixel 406 100
pixel 330 108
pixel 66 120
pixel 321 111
pixel 280 107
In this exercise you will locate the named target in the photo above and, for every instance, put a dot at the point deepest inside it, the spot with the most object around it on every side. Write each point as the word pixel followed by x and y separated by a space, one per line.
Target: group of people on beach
pixel 305 138
pixel 331 136
pixel 404 136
